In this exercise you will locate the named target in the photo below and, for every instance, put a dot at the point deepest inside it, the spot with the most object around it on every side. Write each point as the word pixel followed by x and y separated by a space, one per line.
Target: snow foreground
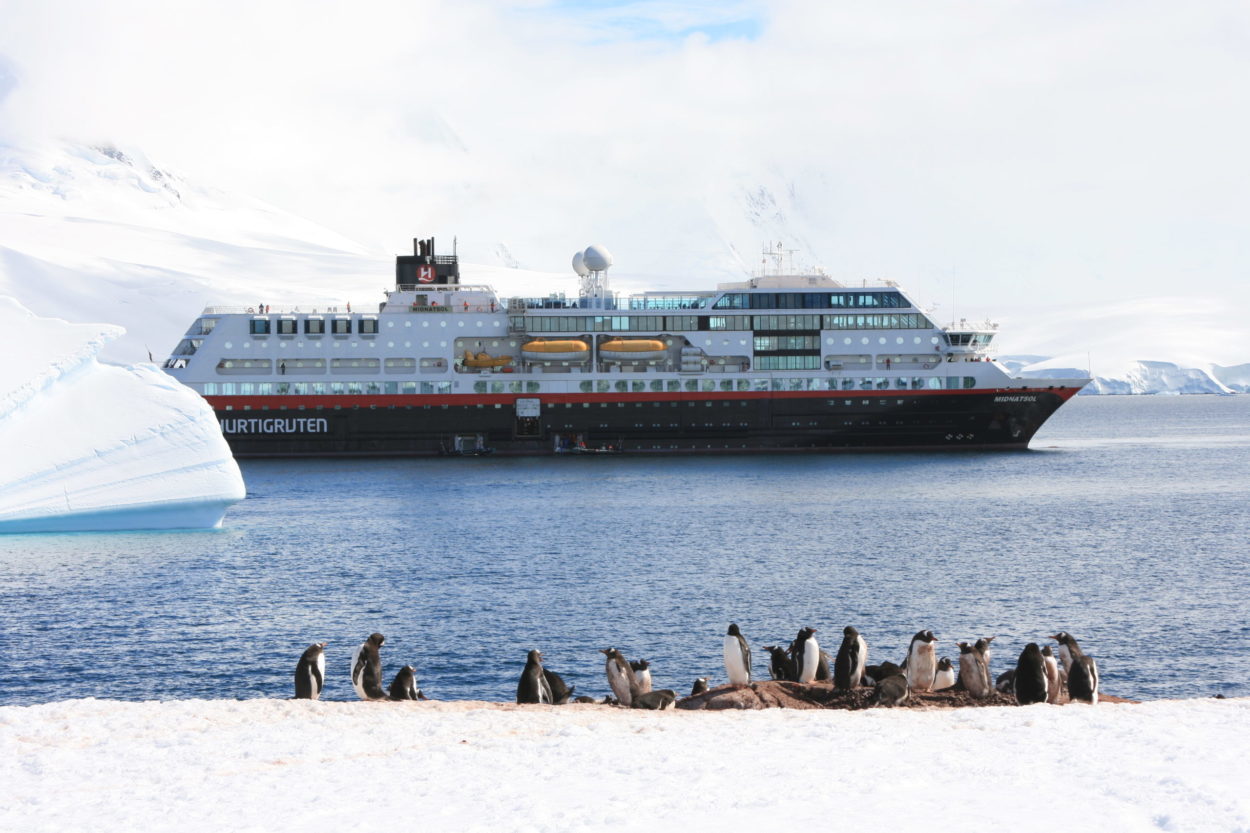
pixel 300 765
pixel 88 446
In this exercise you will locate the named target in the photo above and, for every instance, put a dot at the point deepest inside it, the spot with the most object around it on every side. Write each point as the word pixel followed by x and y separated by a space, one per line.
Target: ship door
pixel 528 424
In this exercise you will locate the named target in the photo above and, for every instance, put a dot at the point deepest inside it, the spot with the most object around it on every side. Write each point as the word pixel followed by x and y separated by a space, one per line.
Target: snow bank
pixel 299 765
pixel 92 446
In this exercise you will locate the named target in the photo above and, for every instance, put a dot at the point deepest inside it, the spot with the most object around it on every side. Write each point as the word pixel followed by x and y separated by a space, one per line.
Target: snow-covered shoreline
pixel 298 765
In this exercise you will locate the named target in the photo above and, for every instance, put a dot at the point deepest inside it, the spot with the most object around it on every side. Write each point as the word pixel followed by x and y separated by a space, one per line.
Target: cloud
pixel 1020 152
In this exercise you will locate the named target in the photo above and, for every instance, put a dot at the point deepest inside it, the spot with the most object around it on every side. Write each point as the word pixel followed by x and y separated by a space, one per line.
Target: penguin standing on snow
pixel 642 673
pixel 533 686
pixel 404 686
pixel 945 676
pixel 367 669
pixel 1054 690
pixel 737 657
pixel 310 673
pixel 921 662
pixel 779 665
pixel 805 651
pixel 852 659
pixel 620 676
pixel 1029 684
pixel 972 671
pixel 1082 670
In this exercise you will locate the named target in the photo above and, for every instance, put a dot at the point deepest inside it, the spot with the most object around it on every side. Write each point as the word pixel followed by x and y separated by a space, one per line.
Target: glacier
pixel 92 446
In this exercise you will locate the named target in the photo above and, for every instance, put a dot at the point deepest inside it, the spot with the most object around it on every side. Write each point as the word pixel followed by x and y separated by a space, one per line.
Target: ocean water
pixel 1126 524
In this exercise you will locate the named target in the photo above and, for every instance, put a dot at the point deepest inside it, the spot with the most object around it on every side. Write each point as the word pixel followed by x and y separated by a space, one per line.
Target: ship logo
pixel 425 273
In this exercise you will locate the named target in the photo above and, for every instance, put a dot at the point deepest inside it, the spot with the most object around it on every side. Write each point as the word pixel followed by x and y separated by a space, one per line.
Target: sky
pixel 990 156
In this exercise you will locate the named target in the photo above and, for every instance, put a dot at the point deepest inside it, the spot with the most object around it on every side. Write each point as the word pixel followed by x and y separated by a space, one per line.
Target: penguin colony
pixel 1037 677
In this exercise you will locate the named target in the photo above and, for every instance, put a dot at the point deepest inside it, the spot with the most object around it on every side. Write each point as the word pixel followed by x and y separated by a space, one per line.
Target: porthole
pixel 898 340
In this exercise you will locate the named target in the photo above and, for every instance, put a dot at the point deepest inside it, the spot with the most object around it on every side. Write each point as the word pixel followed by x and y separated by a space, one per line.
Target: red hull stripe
pixel 376 400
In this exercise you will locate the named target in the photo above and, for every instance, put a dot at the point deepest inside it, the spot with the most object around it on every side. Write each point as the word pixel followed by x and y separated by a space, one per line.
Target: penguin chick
pixel 642 673
pixel 890 692
pixel 699 687
pixel 1054 688
pixel 921 662
pixel 972 672
pixel 310 672
pixel 945 676
pixel 779 665
pixel 620 676
pixel 658 700
pixel 404 686
pixel 560 691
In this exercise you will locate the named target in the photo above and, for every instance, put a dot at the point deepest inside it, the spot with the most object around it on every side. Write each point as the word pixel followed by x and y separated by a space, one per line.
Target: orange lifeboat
pixel 631 349
pixel 556 350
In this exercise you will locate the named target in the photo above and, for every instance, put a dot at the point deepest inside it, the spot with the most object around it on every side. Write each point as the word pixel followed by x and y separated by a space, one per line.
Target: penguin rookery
pixel 777 362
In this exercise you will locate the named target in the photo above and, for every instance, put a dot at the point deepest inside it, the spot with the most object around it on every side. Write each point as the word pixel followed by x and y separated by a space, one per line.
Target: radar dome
pixel 597 258
pixel 579 265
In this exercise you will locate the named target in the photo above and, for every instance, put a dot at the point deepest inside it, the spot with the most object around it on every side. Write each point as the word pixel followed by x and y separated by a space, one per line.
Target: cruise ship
pixel 780 362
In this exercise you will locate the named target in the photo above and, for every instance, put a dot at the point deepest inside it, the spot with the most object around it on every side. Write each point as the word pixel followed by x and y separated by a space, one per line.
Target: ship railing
pixel 632 303
pixel 275 309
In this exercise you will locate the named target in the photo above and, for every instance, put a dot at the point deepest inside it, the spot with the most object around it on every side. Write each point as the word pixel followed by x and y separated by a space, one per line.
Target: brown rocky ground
pixel 774 694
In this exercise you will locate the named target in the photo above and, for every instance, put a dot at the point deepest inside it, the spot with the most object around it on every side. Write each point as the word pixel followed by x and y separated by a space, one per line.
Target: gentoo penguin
pixel 620 676
pixel 367 669
pixel 642 673
pixel 560 691
pixel 983 646
pixel 585 698
pixel 699 687
pixel 874 674
pixel 1005 681
pixel 806 653
pixel 737 657
pixel 658 700
pixel 404 686
pixel 310 673
pixel 822 668
pixel 779 665
pixel 1082 670
pixel 533 686
pixel 921 662
pixel 891 691
pixel 1029 684
pixel 1054 692
pixel 972 672
pixel 945 676
pixel 848 668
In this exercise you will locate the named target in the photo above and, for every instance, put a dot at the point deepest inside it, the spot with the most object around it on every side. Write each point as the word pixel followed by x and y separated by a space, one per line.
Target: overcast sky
pixel 983 153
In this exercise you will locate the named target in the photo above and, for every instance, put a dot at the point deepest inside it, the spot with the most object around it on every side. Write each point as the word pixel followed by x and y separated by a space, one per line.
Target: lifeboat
pixel 632 349
pixel 558 350
pixel 484 360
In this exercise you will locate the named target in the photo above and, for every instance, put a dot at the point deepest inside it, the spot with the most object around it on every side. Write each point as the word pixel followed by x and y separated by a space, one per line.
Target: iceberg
pixel 91 446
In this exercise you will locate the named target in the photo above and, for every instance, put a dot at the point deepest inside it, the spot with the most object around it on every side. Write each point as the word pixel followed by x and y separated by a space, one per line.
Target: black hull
pixel 862 421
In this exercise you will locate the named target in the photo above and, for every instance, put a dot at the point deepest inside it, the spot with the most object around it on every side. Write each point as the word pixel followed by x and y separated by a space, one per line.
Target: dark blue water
pixel 1127 525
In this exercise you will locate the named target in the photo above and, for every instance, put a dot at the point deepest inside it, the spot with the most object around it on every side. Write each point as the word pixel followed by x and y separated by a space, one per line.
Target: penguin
pixel 699 687
pixel 779 665
pixel 983 647
pixel 921 662
pixel 310 672
pixel 367 669
pixel 822 668
pixel 1054 692
pixel 404 686
pixel 658 700
pixel 533 686
pixel 972 671
pixel 1005 681
pixel 737 657
pixel 642 673
pixel 560 691
pixel 945 677
pixel 874 674
pixel 620 676
pixel 1082 670
pixel 806 654
pixel 586 698
pixel 890 691
pixel 852 659
pixel 1029 684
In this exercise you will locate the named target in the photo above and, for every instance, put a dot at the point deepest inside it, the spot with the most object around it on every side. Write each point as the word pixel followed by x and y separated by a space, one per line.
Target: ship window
pixel 286 326
pixel 479 387
pixel 638 386
pixel 341 326
pixel 367 326
pixel 657 385
pixel 314 326
pixel 692 384
pixel 672 385
pixel 259 327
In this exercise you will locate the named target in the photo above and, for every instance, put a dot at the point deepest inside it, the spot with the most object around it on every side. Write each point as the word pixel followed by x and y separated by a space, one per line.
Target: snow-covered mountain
pixel 100 233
